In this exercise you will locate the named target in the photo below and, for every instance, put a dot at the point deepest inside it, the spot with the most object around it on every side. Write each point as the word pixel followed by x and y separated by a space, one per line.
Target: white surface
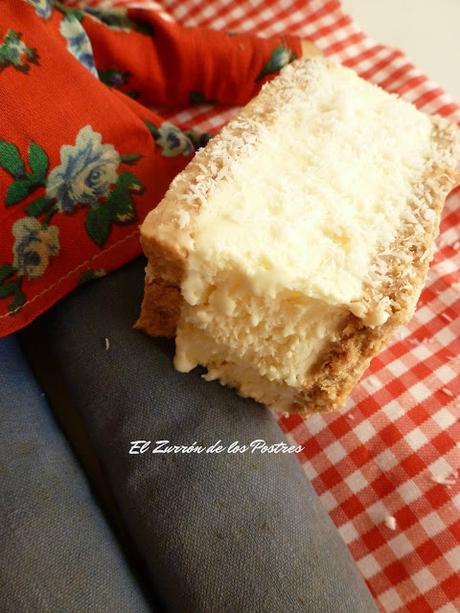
pixel 428 31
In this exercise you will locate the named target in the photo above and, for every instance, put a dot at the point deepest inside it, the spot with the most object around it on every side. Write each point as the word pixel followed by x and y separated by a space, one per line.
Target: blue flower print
pixel 78 42
pixel 43 8
pixel 34 245
pixel 172 140
pixel 87 171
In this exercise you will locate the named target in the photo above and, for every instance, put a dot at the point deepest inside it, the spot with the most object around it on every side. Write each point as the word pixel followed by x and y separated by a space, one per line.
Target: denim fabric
pixel 220 533
pixel 57 552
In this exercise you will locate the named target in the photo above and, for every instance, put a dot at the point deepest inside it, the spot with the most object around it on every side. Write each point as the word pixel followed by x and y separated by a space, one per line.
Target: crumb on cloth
pixel 449 478
pixel 390 522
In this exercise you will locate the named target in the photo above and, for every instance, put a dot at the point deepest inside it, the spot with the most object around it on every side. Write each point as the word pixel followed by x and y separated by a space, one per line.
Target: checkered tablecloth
pixel 386 467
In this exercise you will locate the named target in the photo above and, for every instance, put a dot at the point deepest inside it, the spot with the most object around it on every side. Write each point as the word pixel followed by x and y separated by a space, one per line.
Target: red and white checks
pixel 395 451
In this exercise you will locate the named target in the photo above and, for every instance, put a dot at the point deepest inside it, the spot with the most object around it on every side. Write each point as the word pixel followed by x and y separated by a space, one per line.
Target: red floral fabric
pixel 82 157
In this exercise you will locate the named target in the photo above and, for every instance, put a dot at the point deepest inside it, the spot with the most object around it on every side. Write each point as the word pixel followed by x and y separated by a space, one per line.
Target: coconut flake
pixel 390 522
pixel 107 344
pixel 373 381
pixel 445 478
pixel 183 219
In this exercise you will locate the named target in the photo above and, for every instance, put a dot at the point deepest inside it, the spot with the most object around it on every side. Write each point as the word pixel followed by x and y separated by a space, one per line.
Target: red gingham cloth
pixel 395 451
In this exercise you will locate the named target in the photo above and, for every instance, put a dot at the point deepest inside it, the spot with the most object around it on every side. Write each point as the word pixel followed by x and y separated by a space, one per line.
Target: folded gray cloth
pixel 219 532
pixel 58 553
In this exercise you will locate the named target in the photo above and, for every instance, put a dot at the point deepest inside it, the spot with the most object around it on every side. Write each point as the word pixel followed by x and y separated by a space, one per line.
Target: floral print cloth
pixel 83 158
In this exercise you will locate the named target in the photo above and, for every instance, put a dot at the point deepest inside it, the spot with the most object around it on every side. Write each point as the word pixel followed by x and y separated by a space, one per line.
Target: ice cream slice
pixel 290 248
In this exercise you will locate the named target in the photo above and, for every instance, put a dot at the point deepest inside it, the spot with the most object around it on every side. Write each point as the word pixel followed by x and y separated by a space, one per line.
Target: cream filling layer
pixel 280 338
